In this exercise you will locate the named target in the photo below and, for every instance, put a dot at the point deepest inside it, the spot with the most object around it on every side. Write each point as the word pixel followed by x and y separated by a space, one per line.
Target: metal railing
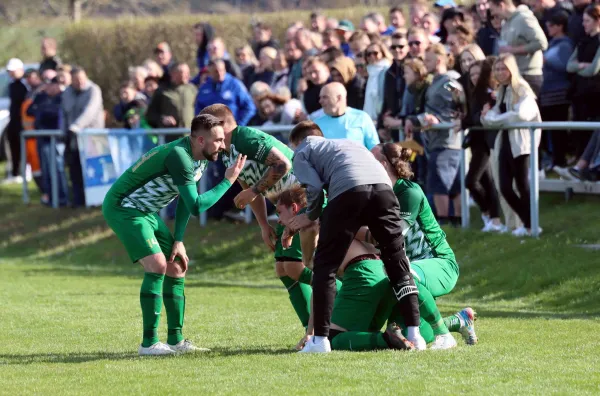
pixel 533 158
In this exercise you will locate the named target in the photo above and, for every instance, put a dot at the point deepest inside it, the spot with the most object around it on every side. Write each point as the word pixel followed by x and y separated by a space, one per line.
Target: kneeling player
pixel 131 209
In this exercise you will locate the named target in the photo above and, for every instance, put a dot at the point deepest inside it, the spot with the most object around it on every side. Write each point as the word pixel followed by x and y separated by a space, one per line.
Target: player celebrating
pixel 131 209
pixel 268 171
pixel 432 260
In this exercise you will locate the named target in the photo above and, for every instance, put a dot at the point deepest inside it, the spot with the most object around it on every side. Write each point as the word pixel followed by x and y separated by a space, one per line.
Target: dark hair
pixel 204 122
pixel 449 13
pixel 396 9
pixel 480 92
pixel 152 78
pixel 127 84
pixel 176 65
pixel 560 18
pixel 303 130
pixel 76 70
pixel 293 195
pixel 331 54
pixel 593 11
pixel 218 110
pixel 398 157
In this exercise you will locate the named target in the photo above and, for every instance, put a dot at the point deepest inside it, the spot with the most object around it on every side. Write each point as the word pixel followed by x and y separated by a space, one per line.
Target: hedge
pixel 106 48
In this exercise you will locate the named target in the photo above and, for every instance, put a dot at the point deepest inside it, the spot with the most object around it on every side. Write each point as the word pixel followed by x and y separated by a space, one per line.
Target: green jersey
pixel 151 183
pixel 256 145
pixel 425 238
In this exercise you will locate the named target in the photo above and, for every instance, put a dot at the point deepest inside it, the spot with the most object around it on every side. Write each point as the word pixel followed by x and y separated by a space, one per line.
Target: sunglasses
pixel 372 53
pixel 397 47
pixel 414 43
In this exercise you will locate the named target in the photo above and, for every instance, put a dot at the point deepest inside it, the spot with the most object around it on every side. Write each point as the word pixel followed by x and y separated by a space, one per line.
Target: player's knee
pixel 280 269
pixel 293 269
pixel 174 270
pixel 156 263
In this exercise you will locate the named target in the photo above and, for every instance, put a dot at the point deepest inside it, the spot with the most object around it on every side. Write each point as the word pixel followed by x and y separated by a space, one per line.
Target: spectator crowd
pixel 494 63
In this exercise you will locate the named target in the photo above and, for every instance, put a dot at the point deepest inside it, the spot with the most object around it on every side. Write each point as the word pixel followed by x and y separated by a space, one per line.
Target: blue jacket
pixel 46 110
pixel 230 92
pixel 556 58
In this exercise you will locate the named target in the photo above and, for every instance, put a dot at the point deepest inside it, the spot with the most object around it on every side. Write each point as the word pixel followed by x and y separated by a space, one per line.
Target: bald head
pixel 333 99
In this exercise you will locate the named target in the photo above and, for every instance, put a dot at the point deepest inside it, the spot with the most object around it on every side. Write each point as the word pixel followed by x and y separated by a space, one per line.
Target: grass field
pixel 70 320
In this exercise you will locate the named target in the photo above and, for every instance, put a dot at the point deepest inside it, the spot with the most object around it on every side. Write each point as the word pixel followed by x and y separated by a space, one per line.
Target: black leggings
pixel 515 170
pixel 14 143
pixel 481 183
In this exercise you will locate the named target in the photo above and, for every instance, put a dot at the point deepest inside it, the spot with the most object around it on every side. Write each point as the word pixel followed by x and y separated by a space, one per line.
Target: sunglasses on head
pixel 416 42
pixel 397 47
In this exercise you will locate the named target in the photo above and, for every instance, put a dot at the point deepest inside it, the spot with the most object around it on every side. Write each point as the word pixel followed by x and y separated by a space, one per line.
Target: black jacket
pixel 479 139
pixel 311 97
pixel 256 47
pixel 17 92
pixel 51 63
pixel 575 27
pixel 487 37
pixel 393 91
pixel 356 92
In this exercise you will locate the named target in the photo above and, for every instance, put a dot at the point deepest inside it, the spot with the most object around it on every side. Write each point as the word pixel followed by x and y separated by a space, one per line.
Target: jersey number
pixel 151 242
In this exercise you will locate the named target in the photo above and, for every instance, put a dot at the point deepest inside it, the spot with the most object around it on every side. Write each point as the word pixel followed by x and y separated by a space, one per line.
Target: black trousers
pixel 515 169
pixel 13 136
pixel 480 182
pixel 76 176
pixel 535 82
pixel 559 139
pixel 377 207
pixel 585 108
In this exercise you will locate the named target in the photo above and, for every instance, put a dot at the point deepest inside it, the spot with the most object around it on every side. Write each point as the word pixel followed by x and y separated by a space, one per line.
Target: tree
pixel 75 10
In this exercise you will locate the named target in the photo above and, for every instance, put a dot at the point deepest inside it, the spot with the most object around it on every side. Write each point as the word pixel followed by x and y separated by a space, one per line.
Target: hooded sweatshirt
pixel 523 29
pixel 354 84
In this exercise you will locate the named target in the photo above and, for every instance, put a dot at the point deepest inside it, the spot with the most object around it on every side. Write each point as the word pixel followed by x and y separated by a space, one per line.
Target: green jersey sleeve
pixel 180 166
pixel 410 199
pixel 254 143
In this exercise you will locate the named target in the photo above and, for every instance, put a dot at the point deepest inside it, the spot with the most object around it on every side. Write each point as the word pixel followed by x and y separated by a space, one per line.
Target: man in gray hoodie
pixel 523 37
pixel 359 192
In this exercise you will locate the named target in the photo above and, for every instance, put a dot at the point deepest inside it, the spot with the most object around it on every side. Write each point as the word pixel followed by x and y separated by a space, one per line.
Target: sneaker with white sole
pixel 443 341
pixel 418 341
pixel 520 232
pixel 491 227
pixel 158 349
pixel 186 346
pixel 314 346
pixel 467 317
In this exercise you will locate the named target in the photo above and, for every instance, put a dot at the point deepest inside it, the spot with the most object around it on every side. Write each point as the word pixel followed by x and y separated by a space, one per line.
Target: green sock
pixel 299 297
pixel 452 323
pixel 338 285
pixel 306 276
pixel 429 311
pixel 174 300
pixel 151 303
pixel 359 341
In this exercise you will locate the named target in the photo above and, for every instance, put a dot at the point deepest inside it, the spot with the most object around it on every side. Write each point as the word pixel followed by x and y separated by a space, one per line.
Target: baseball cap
pixel 445 3
pixel 345 25
pixel 14 64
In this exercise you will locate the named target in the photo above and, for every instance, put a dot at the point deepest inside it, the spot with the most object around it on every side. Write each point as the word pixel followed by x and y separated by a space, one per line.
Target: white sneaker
pixel 485 218
pixel 542 174
pixel 443 341
pixel 520 232
pixel 491 227
pixel 564 173
pixel 186 346
pixel 157 349
pixel 313 346
pixel 13 180
pixel 419 342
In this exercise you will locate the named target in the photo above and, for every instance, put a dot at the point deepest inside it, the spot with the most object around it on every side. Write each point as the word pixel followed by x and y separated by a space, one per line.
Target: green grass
pixel 70 321
pixel 23 40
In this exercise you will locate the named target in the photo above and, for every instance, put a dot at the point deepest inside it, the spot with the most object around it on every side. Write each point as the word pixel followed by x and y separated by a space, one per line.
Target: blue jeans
pixel 61 177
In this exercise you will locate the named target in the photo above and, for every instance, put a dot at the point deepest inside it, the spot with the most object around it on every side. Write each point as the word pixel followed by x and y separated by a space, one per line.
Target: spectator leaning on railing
pixel 82 108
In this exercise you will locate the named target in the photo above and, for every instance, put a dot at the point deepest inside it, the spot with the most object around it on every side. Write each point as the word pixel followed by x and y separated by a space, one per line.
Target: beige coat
pixel 524 110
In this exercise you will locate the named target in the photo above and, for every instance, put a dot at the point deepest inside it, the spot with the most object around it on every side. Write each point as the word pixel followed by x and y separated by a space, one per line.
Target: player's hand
pixel 287 238
pixel 269 237
pixel 303 342
pixel 179 251
pixel 234 170
pixel 300 222
pixel 244 198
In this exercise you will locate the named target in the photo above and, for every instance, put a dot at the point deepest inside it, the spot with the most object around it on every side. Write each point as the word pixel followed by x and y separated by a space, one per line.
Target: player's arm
pixel 278 165
pixel 259 208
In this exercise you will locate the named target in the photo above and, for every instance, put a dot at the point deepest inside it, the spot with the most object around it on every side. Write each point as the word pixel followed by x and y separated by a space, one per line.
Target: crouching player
pixel 131 209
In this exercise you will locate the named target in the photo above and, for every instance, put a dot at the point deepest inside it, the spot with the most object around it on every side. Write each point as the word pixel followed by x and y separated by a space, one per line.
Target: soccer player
pixel 131 209
pixel 359 193
pixel 268 171
pixel 432 260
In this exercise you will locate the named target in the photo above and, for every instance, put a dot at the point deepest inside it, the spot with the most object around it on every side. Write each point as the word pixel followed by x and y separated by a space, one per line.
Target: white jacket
pixel 374 88
pixel 525 110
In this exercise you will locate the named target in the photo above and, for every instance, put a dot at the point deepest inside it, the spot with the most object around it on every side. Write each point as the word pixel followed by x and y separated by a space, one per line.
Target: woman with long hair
pixel 585 63
pixel 479 180
pixel 378 59
pixel 432 260
pixel 246 60
pixel 515 103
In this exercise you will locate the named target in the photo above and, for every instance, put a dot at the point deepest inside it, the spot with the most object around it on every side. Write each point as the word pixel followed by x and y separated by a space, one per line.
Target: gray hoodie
pixel 336 166
pixel 523 28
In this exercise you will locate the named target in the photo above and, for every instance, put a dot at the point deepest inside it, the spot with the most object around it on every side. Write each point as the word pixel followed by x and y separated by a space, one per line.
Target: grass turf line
pixel 70 321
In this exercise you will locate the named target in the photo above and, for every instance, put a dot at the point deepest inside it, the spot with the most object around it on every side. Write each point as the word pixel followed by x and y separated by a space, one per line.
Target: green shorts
pixel 365 299
pixel 294 253
pixel 141 234
pixel 438 275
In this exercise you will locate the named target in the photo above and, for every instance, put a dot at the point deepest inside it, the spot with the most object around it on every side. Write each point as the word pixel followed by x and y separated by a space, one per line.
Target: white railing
pixel 533 158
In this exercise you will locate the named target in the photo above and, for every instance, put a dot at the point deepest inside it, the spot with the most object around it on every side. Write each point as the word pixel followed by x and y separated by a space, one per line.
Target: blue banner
pixel 105 157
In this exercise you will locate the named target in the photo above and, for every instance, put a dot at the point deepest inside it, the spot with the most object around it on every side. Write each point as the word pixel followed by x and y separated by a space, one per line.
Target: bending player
pixel 131 210
pixel 433 263
pixel 268 171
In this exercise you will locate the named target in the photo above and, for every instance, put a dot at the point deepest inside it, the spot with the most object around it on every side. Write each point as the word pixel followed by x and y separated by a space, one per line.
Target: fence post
pixel 535 186
pixel 53 175
pixel 464 195
pixel 23 166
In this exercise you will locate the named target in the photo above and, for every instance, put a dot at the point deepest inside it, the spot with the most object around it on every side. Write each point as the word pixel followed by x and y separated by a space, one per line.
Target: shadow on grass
pixel 217 352
pixel 483 313
pixel 75 357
